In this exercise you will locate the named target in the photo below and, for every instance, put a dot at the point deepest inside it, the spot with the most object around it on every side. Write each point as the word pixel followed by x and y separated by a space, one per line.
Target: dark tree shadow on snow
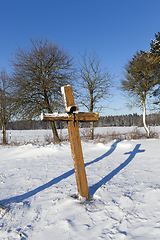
pixel 22 197
pixel 132 154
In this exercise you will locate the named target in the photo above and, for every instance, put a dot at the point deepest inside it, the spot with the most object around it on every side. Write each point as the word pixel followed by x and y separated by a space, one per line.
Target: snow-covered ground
pixel 37 183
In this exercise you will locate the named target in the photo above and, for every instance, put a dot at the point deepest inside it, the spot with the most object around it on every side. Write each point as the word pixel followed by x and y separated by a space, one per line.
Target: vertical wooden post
pixel 76 148
pixel 72 119
pixel 78 161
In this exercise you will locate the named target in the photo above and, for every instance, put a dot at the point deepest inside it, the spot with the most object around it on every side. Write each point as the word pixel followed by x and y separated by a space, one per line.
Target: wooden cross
pixel 72 119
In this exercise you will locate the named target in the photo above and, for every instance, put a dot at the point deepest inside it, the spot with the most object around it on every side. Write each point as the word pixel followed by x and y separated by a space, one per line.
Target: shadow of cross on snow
pixel 92 189
pixel 22 197
pixel 135 151
pixel 132 154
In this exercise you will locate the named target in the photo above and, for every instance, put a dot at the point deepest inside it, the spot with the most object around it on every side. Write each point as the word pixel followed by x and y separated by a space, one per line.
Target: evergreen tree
pixel 155 44
pixel 155 49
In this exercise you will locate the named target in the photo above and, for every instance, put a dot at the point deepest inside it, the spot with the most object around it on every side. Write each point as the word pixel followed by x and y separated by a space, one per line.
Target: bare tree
pixel 5 102
pixel 141 77
pixel 38 74
pixel 95 83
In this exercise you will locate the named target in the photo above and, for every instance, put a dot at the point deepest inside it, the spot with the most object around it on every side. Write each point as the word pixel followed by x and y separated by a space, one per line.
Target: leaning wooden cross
pixel 72 119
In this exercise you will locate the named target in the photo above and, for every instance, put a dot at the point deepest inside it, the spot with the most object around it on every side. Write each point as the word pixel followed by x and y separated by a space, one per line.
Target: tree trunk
pixel 91 110
pixel 92 130
pixel 55 133
pixel 4 133
pixel 144 119
pixel 53 126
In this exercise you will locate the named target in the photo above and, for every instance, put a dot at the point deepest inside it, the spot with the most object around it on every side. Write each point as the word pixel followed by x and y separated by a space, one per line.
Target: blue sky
pixel 114 29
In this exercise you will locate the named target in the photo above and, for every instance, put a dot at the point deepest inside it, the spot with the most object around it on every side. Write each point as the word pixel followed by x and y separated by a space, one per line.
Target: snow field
pixel 37 182
pixel 40 136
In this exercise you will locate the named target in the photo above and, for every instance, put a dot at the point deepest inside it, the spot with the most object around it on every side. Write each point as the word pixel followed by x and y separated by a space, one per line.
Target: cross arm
pixel 55 117
pixel 87 117
pixel 80 116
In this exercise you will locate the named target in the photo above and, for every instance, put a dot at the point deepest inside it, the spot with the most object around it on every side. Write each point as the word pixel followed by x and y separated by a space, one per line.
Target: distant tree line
pixel 129 120
pixel 105 121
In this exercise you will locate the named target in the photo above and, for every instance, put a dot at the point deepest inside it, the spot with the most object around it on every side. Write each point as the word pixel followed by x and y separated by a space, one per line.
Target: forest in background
pixel 104 121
